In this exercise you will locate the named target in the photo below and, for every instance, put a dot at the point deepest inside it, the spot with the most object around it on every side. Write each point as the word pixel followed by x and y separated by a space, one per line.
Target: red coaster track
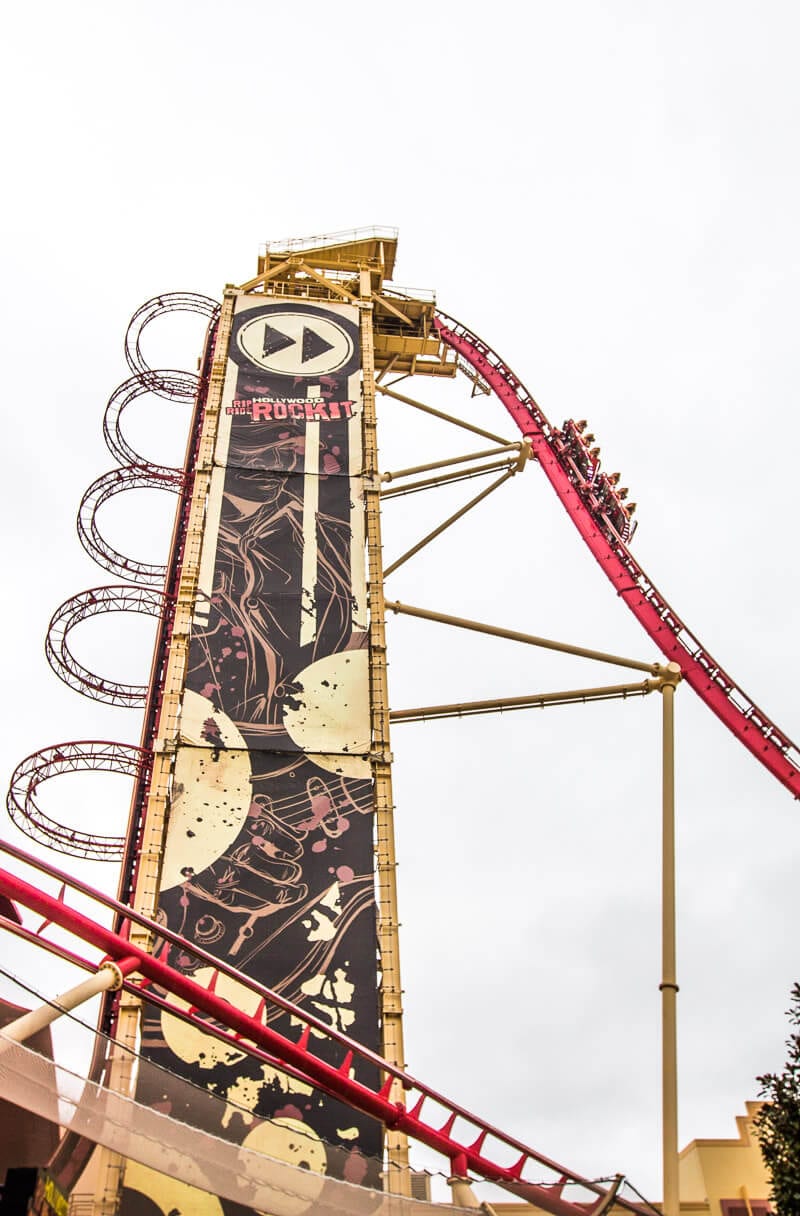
pixel 129 477
pixel 468 1141
pixel 88 755
pixel 184 386
pixel 145 600
pixel 730 703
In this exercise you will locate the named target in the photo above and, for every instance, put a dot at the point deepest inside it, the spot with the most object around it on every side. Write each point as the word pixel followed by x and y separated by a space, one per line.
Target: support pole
pixel 513 635
pixel 108 978
pixel 575 696
pixel 462 1194
pixel 669 985
pixel 426 540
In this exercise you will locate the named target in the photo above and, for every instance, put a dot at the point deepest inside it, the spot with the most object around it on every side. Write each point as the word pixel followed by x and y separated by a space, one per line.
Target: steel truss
pixel 140 385
pixel 82 607
pixel 148 597
pixel 130 477
pixel 166 383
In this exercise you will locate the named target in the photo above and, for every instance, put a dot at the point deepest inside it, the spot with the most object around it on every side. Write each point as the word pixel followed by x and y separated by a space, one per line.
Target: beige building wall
pixel 713 1172
pixel 717 1177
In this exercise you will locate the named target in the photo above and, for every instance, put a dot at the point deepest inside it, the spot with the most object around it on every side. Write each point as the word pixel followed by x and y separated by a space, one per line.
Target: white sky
pixel 609 195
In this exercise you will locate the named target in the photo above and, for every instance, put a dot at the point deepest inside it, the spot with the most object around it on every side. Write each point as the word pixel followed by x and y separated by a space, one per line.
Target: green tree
pixel 778 1122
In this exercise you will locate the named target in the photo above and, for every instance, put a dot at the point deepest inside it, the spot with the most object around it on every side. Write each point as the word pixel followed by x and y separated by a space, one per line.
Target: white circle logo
pixel 295 343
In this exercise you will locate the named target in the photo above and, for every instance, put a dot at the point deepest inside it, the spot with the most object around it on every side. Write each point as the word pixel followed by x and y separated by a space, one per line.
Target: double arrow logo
pixel 312 345
pixel 297 340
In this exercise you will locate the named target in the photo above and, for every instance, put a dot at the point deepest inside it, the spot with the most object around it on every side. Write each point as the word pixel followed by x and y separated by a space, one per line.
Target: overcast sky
pixel 609 195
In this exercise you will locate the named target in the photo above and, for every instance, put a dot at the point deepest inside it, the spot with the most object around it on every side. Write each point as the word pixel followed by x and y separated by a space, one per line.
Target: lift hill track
pixel 730 703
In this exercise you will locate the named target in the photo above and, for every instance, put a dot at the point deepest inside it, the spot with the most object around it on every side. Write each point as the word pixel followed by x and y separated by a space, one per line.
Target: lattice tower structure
pixel 263 829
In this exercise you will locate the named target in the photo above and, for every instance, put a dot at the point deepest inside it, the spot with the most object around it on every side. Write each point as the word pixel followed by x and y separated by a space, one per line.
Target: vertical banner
pixel 268 861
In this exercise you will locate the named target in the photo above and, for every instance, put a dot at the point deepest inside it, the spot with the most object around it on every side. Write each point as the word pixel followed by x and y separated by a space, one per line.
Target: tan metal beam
pixel 525 453
pixel 443 464
pixel 428 483
pixel 608 1199
pixel 513 635
pixel 398 1178
pixel 539 700
pixel 426 540
pixel 669 982
pixel 108 978
pixel 383 303
pixel 261 279
pixel 386 369
pixel 331 284
pixel 428 409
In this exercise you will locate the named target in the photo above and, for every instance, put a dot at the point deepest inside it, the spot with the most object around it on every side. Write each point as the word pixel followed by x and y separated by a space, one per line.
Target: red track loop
pixel 164 383
pixel 79 608
pixel 100 491
pixel 741 715
pixel 84 756
pixel 127 392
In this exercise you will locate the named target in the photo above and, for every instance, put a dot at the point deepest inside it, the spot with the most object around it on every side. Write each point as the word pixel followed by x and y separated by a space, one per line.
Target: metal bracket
pixel 668 677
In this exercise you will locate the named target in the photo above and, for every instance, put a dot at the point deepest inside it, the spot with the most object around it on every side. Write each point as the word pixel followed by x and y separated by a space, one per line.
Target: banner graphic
pixel 268 861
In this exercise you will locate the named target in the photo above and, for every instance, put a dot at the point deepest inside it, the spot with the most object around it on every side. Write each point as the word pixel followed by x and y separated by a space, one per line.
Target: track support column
pixel 108 978
pixel 669 985
pixel 398 1180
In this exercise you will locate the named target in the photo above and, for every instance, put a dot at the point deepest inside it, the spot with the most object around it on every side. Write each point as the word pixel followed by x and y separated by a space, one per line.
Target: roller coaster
pixel 751 726
pixel 167 976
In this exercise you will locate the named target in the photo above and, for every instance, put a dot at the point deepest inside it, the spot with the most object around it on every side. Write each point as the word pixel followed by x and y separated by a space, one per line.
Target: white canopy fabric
pixel 184 1152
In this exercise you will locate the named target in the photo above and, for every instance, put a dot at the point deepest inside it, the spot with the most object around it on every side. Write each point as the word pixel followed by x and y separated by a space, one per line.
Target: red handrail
pixel 303 1055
